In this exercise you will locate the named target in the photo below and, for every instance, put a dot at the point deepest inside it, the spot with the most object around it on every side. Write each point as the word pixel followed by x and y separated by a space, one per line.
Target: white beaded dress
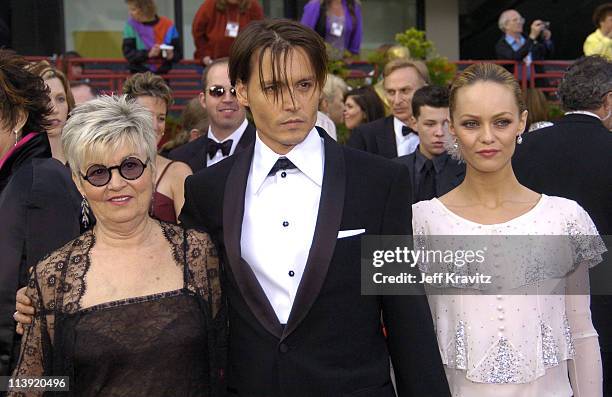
pixel 518 344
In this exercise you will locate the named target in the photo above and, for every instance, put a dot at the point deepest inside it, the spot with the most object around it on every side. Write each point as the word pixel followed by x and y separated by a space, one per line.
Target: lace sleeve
pixel 33 345
pixel 585 368
pixel 204 267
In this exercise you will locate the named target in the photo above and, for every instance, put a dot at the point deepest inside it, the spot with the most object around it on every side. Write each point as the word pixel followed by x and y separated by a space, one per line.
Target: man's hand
pixel 169 54
pixel 546 34
pixel 206 60
pixel 25 310
pixel 536 27
pixel 154 51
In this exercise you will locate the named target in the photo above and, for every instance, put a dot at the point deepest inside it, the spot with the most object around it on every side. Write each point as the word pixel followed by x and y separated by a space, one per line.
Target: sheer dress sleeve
pixel 205 280
pixel 36 344
pixel 585 368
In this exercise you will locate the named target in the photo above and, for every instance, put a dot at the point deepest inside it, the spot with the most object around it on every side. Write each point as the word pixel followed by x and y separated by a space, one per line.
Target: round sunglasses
pixel 130 168
pixel 218 91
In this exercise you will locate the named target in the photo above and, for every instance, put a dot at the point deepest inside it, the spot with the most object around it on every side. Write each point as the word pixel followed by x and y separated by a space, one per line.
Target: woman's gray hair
pixel 586 83
pixel 103 125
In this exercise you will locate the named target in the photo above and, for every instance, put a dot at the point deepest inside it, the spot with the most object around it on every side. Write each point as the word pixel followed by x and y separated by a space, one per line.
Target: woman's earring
pixel 16 136
pixel 455 144
pixel 85 210
pixel 519 139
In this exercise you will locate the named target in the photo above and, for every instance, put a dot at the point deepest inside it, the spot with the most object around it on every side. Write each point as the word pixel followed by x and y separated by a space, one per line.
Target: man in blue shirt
pixel 514 46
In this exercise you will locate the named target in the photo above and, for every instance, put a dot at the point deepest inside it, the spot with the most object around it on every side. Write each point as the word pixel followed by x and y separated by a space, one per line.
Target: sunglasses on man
pixel 218 91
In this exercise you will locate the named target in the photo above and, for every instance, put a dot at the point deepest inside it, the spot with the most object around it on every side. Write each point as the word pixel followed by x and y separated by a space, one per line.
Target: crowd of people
pixel 228 261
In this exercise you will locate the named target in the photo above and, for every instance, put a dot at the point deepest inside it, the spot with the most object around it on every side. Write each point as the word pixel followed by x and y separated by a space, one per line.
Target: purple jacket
pixel 352 36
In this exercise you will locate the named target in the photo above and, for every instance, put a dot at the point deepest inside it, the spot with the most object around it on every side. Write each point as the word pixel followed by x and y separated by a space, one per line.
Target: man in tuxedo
pixel 228 132
pixel 433 172
pixel 573 159
pixel 393 136
pixel 287 214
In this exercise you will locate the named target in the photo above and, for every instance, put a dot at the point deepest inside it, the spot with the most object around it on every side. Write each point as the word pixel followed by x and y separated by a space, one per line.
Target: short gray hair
pixel 332 85
pixel 586 83
pixel 103 125
pixel 503 20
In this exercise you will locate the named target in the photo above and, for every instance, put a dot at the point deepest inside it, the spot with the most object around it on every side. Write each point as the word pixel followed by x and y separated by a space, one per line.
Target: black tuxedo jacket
pixel 195 153
pixel 332 344
pixel 450 177
pixel 377 137
pixel 573 159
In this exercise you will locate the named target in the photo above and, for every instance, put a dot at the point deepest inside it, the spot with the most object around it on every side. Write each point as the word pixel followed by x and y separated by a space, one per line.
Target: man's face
pixel 399 87
pixel 224 112
pixel 514 23
pixel 81 94
pixel 606 25
pixel 335 107
pixel 286 112
pixel 431 125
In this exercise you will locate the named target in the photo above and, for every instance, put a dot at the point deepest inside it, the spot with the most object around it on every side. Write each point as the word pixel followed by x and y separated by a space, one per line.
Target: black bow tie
pixel 214 147
pixel 407 130
pixel 282 163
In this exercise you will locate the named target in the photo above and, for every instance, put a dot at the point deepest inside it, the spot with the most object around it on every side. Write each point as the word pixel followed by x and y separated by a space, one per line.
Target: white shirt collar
pixel 235 136
pixel 308 157
pixel 583 112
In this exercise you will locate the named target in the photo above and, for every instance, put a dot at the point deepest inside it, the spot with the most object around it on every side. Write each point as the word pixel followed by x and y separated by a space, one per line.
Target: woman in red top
pixel 217 23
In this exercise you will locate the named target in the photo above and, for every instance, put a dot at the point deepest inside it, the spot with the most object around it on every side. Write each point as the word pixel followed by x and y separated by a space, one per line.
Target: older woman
pixel 132 307
pixel 62 102
pixel 36 192
pixel 153 93
pixel 522 340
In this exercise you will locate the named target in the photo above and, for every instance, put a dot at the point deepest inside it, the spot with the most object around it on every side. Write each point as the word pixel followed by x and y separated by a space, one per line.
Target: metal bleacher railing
pixel 108 75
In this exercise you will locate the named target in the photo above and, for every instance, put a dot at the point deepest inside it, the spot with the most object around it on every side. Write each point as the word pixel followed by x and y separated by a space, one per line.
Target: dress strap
pixel 163 173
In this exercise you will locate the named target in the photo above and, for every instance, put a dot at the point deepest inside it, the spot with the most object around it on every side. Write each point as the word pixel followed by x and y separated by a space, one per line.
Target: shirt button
pixel 499 297
pixel 501 328
pixel 283 174
pixel 283 348
pixel 500 308
pixel 291 273
pixel 500 317
pixel 285 223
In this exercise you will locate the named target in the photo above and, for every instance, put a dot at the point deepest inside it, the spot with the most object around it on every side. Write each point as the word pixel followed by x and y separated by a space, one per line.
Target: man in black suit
pixel 393 136
pixel 515 47
pixel 228 132
pixel 287 214
pixel 433 172
pixel 573 159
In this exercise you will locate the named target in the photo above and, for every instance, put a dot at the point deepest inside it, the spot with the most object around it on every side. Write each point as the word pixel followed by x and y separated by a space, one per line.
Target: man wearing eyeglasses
pixel 228 132
pixel 514 46
pixel 394 136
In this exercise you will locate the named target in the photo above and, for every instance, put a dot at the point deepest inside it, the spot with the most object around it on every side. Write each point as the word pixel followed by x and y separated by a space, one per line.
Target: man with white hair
pixel 514 46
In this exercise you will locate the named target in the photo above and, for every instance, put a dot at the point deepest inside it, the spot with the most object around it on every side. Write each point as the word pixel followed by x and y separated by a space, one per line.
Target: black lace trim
pixel 134 300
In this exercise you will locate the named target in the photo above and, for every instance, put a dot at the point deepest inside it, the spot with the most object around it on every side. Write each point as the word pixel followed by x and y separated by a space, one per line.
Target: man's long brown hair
pixel 278 38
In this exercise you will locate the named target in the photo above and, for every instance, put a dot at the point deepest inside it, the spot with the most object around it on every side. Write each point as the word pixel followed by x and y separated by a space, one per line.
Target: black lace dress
pixel 167 344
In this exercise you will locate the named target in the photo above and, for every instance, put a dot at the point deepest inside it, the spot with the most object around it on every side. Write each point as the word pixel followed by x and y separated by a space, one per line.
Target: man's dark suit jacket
pixel 538 50
pixel 332 344
pixel 195 153
pixel 450 177
pixel 377 137
pixel 573 159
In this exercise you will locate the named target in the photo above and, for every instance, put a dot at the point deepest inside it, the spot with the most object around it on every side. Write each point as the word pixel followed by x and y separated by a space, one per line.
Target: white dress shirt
pixel 405 144
pixel 235 136
pixel 280 215
pixel 327 124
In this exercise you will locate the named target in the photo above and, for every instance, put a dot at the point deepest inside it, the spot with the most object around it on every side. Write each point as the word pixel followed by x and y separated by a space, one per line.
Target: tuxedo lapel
pixel 200 156
pixel 233 213
pixel 385 140
pixel 247 138
pixel 325 236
